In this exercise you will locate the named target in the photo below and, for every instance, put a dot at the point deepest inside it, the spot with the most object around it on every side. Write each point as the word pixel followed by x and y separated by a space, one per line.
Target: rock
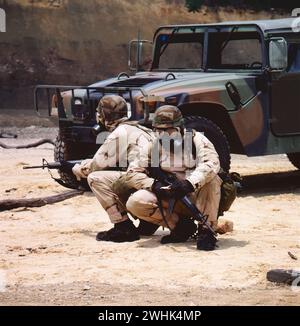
pixel 292 256
pixel 9 190
pixel 86 288
pixel 224 226
pixel 286 276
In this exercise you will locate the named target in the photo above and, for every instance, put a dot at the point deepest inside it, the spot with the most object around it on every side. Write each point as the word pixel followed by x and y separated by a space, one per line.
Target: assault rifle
pixel 63 166
pixel 168 179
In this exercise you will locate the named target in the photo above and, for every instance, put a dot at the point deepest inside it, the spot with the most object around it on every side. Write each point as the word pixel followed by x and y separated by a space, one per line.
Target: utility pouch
pixel 229 189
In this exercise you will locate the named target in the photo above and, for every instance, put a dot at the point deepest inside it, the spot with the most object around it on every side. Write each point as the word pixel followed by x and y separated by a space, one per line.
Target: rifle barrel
pixel 33 167
pixel 52 165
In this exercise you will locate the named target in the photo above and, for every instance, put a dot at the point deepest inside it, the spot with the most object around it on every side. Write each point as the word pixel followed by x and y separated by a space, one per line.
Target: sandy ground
pixel 49 256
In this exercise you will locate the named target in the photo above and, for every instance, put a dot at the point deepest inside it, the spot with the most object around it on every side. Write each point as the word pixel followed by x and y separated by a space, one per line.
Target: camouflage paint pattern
pixel 251 120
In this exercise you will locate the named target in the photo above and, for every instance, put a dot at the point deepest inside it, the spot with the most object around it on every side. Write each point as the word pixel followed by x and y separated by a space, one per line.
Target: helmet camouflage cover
pixel 167 116
pixel 112 108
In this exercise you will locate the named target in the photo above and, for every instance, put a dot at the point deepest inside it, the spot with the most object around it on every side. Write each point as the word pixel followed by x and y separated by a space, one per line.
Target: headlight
pixel 78 101
pixel 152 102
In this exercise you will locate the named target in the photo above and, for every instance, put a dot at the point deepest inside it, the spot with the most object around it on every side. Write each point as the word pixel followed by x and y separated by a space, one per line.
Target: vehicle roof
pixel 266 26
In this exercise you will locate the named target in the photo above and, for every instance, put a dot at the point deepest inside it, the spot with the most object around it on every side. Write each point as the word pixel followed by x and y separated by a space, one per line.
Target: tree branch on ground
pixel 35 144
pixel 8 204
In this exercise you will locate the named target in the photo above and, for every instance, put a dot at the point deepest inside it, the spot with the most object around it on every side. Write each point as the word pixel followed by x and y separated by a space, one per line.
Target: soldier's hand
pixel 181 188
pixel 82 170
pixel 161 191
pixel 77 171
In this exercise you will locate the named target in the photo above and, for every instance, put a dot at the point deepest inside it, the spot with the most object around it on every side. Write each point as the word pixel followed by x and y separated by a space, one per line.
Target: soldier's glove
pixel 82 170
pixel 161 191
pixel 181 188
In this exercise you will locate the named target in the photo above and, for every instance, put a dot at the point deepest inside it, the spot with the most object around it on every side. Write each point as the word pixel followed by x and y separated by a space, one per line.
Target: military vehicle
pixel 238 82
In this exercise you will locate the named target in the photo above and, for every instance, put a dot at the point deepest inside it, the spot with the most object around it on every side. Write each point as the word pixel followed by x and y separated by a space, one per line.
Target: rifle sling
pixel 171 206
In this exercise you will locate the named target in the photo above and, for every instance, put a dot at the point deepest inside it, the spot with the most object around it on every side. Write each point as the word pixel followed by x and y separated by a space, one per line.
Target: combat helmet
pixel 167 116
pixel 111 108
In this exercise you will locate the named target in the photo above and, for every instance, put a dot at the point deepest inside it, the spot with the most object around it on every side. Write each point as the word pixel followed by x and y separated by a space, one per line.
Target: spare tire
pixel 215 135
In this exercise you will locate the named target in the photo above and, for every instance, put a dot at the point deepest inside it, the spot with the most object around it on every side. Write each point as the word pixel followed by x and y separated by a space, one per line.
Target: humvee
pixel 238 82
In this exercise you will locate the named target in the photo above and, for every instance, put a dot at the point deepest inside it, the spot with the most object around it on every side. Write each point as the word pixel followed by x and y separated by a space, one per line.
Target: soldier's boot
pixel 146 228
pixel 121 232
pixel 183 230
pixel 206 240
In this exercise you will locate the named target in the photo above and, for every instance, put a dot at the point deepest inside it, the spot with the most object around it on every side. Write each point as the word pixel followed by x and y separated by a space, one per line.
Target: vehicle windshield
pixel 231 47
pixel 179 50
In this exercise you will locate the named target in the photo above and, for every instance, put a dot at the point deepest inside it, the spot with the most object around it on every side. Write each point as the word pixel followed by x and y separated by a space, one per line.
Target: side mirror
pixel 140 55
pixel 278 54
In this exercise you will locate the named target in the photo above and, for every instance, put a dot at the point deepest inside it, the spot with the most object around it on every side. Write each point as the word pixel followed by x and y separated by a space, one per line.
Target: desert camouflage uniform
pixel 120 148
pixel 124 143
pixel 201 172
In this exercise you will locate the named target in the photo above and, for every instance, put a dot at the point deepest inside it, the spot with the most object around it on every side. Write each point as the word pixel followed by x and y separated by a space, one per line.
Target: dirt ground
pixel 49 256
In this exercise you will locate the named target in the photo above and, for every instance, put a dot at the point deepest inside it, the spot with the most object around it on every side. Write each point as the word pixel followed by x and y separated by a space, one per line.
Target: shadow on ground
pixel 271 183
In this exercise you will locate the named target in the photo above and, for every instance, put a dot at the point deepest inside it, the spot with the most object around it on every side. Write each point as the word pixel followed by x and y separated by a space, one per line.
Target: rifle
pixel 168 179
pixel 63 166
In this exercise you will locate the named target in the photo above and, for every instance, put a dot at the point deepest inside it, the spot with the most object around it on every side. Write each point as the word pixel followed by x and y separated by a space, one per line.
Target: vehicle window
pixel 293 57
pixel 241 50
pixel 178 50
pixel 182 56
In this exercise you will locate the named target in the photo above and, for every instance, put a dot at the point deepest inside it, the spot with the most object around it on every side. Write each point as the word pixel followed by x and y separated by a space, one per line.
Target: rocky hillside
pixel 79 42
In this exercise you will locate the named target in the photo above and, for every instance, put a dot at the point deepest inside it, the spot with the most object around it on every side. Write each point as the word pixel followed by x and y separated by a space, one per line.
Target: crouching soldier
pixel 120 148
pixel 192 158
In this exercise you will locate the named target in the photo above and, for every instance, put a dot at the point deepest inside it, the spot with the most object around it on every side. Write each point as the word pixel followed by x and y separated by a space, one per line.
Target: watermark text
pixel 2 281
pixel 2 21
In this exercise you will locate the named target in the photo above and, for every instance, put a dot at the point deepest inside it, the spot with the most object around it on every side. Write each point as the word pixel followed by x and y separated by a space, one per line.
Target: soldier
pixel 121 146
pixel 196 170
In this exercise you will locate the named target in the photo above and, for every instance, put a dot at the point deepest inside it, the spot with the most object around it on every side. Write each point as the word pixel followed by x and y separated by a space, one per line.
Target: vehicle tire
pixel 215 135
pixel 66 151
pixel 294 159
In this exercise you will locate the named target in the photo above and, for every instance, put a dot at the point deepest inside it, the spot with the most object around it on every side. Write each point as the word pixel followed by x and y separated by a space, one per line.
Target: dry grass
pixel 79 42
